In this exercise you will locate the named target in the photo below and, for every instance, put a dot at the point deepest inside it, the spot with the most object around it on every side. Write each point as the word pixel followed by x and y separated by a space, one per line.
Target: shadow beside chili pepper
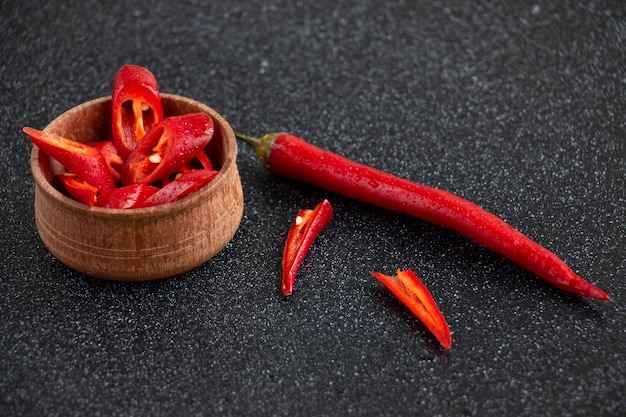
pixel 580 305
pixel 392 304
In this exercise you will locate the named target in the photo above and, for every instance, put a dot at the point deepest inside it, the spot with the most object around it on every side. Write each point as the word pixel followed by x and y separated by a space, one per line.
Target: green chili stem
pixel 262 146
pixel 254 142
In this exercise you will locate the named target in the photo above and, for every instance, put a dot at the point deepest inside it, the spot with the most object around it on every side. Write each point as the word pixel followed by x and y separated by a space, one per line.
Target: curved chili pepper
pixel 81 159
pixel 183 185
pixel 303 231
pixel 408 288
pixel 291 157
pixel 136 106
pixel 169 145
pixel 80 190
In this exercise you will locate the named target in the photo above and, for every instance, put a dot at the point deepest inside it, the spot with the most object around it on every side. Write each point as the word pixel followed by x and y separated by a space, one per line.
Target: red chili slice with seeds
pixel 167 147
pixel 136 106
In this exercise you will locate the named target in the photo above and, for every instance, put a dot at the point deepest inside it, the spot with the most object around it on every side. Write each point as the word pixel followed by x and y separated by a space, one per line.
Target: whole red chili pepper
pixel 136 106
pixel 407 288
pixel 303 231
pixel 291 157
pixel 169 145
pixel 81 159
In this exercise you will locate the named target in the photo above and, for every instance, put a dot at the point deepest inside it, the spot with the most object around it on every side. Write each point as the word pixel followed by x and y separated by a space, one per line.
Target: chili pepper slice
pixel 168 146
pixel 130 196
pixel 291 157
pixel 80 190
pixel 181 186
pixel 136 106
pixel 408 288
pixel 81 159
pixel 111 156
pixel 204 160
pixel 303 231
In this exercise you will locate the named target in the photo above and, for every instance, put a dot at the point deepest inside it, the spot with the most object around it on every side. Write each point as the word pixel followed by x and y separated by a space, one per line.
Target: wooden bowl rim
pixel 195 198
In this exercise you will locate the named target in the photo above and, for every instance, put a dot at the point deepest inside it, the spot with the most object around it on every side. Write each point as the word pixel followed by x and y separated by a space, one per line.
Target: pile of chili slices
pixel 150 160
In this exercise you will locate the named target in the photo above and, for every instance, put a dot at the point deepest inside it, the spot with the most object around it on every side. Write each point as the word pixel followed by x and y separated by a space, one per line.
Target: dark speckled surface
pixel 517 106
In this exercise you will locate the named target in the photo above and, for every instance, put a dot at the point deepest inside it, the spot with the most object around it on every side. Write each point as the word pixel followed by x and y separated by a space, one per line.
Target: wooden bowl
pixel 137 244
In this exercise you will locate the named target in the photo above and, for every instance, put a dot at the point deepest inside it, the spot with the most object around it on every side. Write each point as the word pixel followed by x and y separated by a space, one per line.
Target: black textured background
pixel 518 106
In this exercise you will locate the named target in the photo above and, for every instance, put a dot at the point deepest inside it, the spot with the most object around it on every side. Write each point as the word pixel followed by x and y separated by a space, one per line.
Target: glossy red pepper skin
pixel 130 196
pixel 80 159
pixel 291 157
pixel 183 185
pixel 169 145
pixel 136 106
pixel 204 160
pixel 303 231
pixel 408 288
pixel 80 190
pixel 111 156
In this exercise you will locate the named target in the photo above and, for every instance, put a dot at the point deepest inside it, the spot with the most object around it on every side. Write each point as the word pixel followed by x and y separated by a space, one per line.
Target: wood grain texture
pixel 138 244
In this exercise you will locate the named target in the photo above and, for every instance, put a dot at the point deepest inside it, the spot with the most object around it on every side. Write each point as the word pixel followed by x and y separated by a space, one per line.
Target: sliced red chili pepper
pixel 80 190
pixel 408 288
pixel 136 106
pixel 181 170
pixel 204 160
pixel 303 231
pixel 181 186
pixel 291 157
pixel 81 159
pixel 111 156
pixel 168 146
pixel 130 196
